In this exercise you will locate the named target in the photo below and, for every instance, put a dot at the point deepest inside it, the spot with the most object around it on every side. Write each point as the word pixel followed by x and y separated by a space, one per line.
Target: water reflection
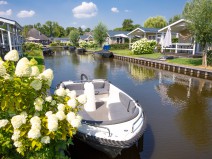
pixel 190 95
pixel 141 73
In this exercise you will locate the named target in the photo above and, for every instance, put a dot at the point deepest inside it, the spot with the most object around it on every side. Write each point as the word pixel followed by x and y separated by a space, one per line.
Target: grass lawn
pixel 187 61
pixel 130 53
pixel 38 56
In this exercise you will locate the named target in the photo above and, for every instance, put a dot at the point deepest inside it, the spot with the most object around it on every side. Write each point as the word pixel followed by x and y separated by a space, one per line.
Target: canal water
pixel 178 107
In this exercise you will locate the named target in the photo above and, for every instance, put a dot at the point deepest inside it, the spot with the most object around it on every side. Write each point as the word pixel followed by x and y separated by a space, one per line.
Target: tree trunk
pixel 204 57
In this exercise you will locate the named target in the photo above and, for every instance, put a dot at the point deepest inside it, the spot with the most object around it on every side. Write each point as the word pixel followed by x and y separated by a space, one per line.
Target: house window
pixel 151 37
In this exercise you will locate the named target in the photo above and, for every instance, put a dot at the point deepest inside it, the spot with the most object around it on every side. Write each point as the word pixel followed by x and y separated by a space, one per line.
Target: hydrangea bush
pixel 28 46
pixel 143 46
pixel 89 44
pixel 34 124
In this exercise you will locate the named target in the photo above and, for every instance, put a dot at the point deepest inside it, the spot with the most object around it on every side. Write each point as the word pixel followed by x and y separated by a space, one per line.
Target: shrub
pixel 29 46
pixel 119 46
pixel 32 123
pixel 143 46
pixel 83 44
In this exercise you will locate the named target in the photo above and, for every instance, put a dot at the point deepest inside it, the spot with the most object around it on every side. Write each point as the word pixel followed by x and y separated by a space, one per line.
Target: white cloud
pixel 6 13
pixel 83 27
pixel 25 14
pixel 127 10
pixel 85 10
pixel 3 2
pixel 115 10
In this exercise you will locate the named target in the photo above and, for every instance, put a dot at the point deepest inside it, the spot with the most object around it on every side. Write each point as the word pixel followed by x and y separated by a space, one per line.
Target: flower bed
pixel 32 123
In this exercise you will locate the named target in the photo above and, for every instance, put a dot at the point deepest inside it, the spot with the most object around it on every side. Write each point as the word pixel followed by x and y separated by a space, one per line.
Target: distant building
pixel 86 37
pixel 61 40
pixel 10 37
pixel 116 37
pixel 36 36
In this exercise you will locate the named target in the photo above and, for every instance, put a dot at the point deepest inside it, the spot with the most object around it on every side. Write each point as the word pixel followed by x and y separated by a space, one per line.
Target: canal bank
pixel 186 70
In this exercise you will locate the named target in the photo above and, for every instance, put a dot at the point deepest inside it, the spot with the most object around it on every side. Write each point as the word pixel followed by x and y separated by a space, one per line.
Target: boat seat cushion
pixel 101 87
pixel 127 102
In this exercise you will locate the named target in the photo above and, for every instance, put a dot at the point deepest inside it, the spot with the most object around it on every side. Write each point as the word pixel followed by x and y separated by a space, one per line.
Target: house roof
pixel 12 22
pixel 112 33
pixel 59 39
pixel 84 37
pixel 144 30
pixel 37 34
pixel 177 26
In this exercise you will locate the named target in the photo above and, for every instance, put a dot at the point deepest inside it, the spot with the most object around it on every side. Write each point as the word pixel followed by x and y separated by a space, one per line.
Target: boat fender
pixel 89 91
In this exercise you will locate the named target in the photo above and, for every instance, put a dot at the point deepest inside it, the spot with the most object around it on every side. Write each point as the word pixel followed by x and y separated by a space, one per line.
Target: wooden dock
pixel 186 70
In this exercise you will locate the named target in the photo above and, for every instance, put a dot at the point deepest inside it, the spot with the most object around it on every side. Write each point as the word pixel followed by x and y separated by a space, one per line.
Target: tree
pixel 155 22
pixel 100 33
pixel 68 30
pixel 127 25
pixel 199 15
pixel 80 31
pixel 87 30
pixel 74 37
pixel 175 18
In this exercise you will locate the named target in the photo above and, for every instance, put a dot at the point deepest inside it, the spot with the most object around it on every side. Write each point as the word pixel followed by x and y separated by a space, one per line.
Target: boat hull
pixel 103 54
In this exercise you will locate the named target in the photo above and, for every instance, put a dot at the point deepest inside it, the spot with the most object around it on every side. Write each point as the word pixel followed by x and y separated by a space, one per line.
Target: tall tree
pixel 74 37
pixel 175 18
pixel 87 29
pixel 155 22
pixel 199 15
pixel 100 33
pixel 80 31
pixel 127 25
pixel 68 30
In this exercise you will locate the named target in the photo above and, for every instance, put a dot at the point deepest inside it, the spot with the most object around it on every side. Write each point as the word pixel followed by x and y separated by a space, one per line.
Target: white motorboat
pixel 112 120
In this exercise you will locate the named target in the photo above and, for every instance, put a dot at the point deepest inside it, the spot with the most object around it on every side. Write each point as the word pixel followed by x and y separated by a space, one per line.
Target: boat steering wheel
pixel 84 77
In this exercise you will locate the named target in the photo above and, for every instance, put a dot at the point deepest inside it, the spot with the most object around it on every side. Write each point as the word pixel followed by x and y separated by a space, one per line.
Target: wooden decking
pixel 191 71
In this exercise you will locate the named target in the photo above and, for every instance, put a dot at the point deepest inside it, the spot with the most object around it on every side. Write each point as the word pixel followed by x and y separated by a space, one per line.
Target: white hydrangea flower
pixel 47 75
pixel 48 113
pixel 61 115
pixel 23 68
pixel 52 122
pixel 60 92
pixel 72 103
pixel 45 140
pixel 48 99
pixel 67 91
pixel 76 122
pixel 35 119
pixel 82 99
pixel 35 71
pixel 36 84
pixel 3 122
pixel 18 144
pixel 18 120
pixel 3 70
pixel 38 103
pixel 12 56
pixel 70 116
pixel 16 135
pixel 34 133
pixel 61 107
pixel 72 94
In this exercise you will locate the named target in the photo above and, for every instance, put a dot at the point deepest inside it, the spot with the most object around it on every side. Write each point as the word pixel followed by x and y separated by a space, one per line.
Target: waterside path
pixel 186 70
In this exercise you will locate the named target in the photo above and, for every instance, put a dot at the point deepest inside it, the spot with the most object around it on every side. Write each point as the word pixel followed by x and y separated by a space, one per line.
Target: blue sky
pixel 85 14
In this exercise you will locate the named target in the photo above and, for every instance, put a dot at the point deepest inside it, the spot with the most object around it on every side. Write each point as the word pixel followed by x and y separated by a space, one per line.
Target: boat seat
pixel 101 86
pixel 78 87
pixel 127 102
